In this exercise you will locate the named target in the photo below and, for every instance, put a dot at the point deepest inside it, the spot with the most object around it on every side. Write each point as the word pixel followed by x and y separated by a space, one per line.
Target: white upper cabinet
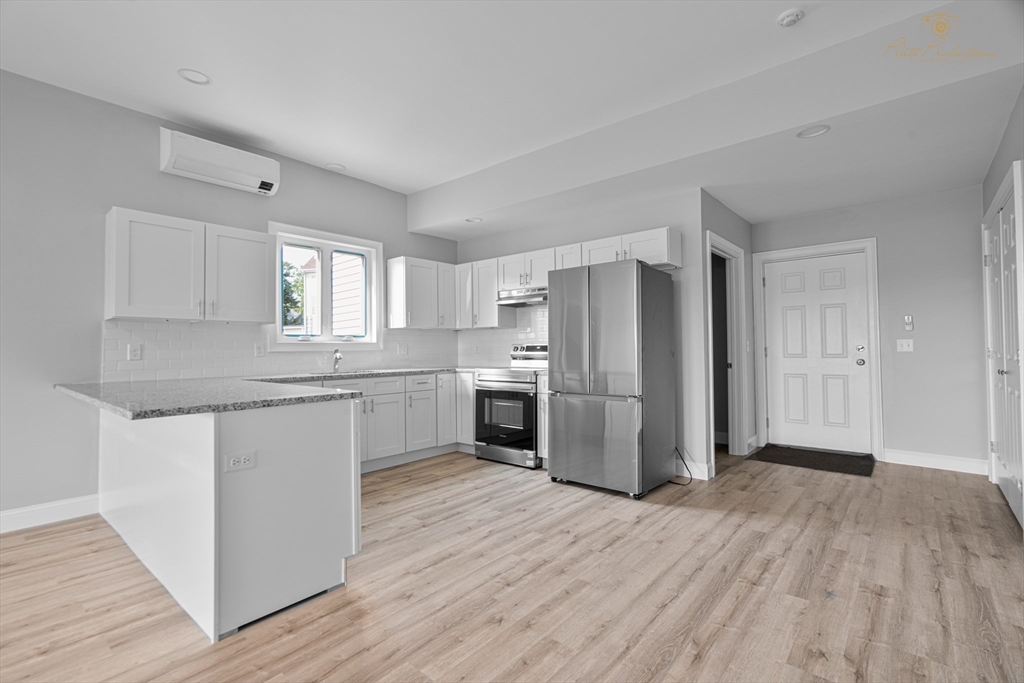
pixel 569 256
pixel 538 264
pixel 463 296
pixel 511 272
pixel 659 247
pixel 486 311
pixel 161 267
pixel 446 296
pixel 602 251
pixel 240 278
pixel 412 293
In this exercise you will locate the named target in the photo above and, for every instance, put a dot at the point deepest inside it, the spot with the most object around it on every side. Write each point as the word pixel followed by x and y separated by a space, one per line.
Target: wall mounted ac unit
pixel 192 157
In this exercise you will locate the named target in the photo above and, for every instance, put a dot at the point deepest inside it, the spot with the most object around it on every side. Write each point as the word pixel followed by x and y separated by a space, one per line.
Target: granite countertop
pixel 169 397
pixel 353 374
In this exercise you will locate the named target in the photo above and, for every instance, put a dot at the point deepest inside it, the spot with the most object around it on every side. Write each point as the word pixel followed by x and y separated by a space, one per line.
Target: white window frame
pixel 327 242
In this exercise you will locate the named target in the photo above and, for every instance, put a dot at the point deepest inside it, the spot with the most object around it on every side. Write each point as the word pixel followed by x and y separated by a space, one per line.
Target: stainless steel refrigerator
pixel 611 411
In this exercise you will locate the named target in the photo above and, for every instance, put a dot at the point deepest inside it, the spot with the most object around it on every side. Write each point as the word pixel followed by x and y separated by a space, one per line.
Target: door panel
pixel 538 264
pixel 602 251
pixel 816 330
pixel 569 256
pixel 511 272
pixel 446 296
pixel 464 296
pixel 421 293
pixel 649 246
pixel 485 293
pixel 240 276
pixel 595 441
pixel 420 420
pixel 569 326
pixel 614 321
pixel 386 426
pixel 1009 451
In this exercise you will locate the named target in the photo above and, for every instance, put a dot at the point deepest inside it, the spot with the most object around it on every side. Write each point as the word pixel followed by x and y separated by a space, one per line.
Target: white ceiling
pixel 412 94
pixel 521 112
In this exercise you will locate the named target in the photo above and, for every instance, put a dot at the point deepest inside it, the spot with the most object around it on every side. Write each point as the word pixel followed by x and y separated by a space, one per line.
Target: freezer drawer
pixel 595 440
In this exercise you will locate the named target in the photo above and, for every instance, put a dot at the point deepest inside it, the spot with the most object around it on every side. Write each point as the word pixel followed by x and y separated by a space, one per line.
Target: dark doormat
pixel 861 465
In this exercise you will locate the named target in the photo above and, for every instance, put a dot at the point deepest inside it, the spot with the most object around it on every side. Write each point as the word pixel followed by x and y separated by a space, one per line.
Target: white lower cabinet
pixel 420 420
pixel 465 418
pixel 446 409
pixel 385 426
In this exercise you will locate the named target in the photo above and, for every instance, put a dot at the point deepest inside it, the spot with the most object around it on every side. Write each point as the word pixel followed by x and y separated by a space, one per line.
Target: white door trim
pixel 1000 199
pixel 869 249
pixel 735 278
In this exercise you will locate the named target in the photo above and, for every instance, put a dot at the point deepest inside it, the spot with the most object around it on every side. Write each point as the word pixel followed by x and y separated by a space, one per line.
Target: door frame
pixel 1011 185
pixel 736 341
pixel 869 248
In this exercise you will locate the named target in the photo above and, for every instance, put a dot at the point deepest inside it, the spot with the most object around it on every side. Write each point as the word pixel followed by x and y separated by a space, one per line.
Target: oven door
pixel 505 419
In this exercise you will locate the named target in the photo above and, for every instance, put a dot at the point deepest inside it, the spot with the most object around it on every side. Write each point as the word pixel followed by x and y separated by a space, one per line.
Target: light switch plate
pixel 904 345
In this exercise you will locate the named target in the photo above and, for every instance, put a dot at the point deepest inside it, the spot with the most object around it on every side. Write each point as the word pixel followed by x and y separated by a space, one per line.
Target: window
pixel 330 290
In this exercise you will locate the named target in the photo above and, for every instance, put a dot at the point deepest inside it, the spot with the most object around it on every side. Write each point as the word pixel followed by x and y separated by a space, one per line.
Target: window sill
pixel 278 346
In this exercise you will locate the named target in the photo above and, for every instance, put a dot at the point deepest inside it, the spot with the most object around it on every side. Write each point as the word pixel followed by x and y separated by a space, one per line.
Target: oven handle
pixel 530 389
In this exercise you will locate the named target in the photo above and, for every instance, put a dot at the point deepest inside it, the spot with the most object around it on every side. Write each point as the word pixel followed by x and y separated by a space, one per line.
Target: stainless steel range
pixel 506 408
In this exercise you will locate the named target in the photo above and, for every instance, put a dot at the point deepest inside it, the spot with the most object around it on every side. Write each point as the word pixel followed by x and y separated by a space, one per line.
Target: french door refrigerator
pixel 611 410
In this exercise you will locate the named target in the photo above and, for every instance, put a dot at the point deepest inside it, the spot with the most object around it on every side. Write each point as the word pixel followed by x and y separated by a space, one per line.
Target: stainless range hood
pixel 528 296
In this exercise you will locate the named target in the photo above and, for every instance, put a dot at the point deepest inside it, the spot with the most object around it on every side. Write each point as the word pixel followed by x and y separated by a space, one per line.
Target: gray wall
pixel 66 160
pixel 929 266
pixel 1011 148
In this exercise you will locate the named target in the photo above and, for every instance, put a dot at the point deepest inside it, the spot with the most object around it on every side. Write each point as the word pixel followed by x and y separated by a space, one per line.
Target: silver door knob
pixel 861 361
pixel 1003 372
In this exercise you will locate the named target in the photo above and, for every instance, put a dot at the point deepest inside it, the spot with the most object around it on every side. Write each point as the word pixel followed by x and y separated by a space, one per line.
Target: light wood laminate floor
pixel 477 571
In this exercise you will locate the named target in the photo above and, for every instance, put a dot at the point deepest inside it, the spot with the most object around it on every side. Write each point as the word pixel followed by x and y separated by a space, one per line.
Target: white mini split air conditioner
pixel 192 157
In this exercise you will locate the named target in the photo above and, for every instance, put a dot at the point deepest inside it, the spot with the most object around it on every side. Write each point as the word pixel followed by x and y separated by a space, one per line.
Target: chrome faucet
pixel 337 358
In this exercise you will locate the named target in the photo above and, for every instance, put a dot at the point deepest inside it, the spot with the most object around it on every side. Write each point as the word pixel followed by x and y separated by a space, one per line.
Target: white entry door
pixel 1002 313
pixel 816 332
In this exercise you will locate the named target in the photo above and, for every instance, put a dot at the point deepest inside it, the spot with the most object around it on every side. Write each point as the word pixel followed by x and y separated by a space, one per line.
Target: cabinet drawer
pixel 346 384
pixel 375 386
pixel 420 382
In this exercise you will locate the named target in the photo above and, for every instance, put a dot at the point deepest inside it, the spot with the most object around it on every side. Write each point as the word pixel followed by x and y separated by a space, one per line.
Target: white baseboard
pixel 937 462
pixel 696 470
pixel 751 444
pixel 48 513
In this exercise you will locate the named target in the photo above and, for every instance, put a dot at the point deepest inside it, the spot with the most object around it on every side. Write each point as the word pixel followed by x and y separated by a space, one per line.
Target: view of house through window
pixel 300 291
pixel 303 289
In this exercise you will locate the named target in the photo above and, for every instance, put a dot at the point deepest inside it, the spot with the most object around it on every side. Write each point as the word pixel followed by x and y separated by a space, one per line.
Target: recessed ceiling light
pixel 193 76
pixel 814 131
pixel 474 219
pixel 790 17
pixel 334 167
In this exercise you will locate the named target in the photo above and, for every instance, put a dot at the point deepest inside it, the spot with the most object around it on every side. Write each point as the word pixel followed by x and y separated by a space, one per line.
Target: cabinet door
pixel 420 420
pixel 542 416
pixel 446 409
pixel 465 419
pixel 511 272
pixel 569 256
pixel 363 422
pixel 154 267
pixel 464 296
pixel 486 311
pixel 421 293
pixel 240 278
pixel 650 246
pixel 602 251
pixel 385 426
pixel 538 264
pixel 446 296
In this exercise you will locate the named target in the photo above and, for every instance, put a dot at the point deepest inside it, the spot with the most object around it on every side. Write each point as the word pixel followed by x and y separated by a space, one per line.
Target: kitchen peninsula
pixel 241 497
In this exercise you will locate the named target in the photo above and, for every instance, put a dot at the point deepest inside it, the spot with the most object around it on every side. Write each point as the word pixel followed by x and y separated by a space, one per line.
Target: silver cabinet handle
pixel 616 254
pixel 408 317
pixel 625 254
pixel 199 306
pixel 212 315
pixel 442 319
pixel 410 400
pixel 364 407
pixel 371 405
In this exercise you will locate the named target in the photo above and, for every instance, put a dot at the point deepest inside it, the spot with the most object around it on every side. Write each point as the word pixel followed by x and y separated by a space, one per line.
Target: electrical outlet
pixel 135 351
pixel 904 345
pixel 240 461
pixel 259 350
pixel 403 349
